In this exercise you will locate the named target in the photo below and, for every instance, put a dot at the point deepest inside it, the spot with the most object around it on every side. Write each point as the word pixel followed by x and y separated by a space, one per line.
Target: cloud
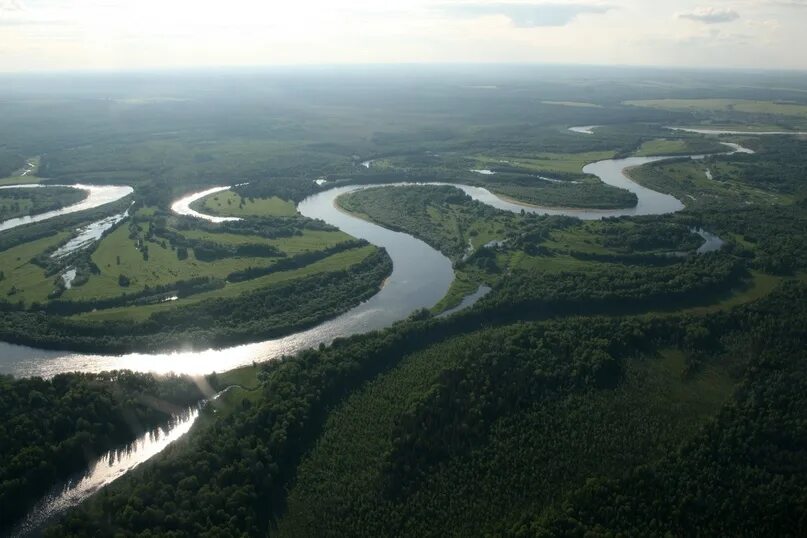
pixel 710 15
pixel 527 15
pixel 10 5
pixel 790 3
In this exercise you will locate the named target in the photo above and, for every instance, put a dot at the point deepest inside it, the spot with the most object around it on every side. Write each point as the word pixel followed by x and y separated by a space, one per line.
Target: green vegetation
pixel 232 204
pixel 587 195
pixel 595 426
pixel 774 175
pixel 280 306
pixel 684 146
pixel 727 105
pixel 22 202
pixel 341 261
pixel 160 281
pixel 431 213
pixel 22 280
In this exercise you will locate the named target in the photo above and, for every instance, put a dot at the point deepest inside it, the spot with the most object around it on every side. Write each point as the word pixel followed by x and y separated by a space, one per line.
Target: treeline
pixel 295 189
pixel 295 262
pixel 628 236
pixel 590 194
pixel 619 289
pixel 149 294
pixel 269 312
pixel 210 251
pixel 268 227
pixel 51 429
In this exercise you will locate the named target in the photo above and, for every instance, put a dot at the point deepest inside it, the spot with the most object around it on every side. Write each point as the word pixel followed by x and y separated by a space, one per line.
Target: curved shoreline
pixel 183 205
pixel 718 132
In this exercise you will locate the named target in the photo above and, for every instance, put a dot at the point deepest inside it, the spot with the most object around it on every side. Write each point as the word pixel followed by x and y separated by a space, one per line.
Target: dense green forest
pixel 629 376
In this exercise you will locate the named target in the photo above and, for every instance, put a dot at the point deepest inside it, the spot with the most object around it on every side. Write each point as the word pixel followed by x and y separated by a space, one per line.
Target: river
pixel 421 276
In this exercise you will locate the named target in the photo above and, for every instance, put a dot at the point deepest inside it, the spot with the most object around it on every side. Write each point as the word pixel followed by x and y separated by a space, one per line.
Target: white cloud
pixel 710 15
pixel 527 15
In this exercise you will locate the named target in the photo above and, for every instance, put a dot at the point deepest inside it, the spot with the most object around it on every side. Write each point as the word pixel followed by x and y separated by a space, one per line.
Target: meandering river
pixel 421 276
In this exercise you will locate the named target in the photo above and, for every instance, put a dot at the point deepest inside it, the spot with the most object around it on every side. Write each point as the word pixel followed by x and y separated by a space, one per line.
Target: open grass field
pixel 572 163
pixel 336 262
pixel 310 240
pixel 19 180
pixel 24 175
pixel 750 128
pixel 666 146
pixel 578 238
pixel 117 254
pixel 23 280
pixel 520 261
pixel 231 204
pixel 727 105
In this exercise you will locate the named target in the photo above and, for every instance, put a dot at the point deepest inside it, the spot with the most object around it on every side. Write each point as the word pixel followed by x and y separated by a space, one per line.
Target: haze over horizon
pixel 42 35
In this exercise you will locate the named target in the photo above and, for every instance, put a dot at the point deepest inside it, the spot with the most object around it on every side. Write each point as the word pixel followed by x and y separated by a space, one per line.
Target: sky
pixel 44 35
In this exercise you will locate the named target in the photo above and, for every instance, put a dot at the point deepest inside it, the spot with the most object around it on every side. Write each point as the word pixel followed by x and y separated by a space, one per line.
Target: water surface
pixel 111 466
pixel 89 234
